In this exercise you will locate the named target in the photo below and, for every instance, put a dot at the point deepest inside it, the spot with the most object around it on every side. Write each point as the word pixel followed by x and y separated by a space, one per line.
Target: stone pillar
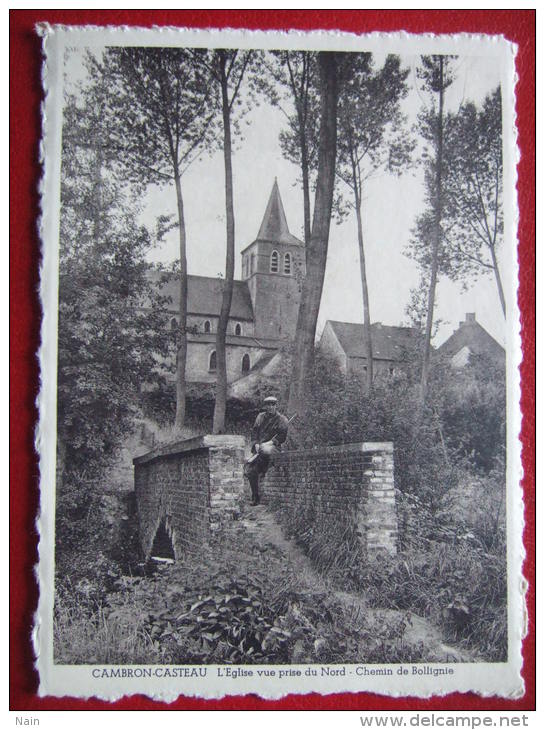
pixel 225 463
pixel 379 503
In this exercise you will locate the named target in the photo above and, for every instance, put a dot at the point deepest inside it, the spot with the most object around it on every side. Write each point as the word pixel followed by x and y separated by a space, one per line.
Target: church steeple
pixel 274 226
pixel 274 267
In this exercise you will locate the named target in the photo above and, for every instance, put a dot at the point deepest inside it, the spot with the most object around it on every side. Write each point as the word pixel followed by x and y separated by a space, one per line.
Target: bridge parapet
pixel 190 489
pixel 338 486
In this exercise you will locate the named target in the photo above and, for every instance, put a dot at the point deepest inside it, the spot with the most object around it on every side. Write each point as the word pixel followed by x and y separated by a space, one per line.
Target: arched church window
pixel 274 262
pixel 245 363
pixel 173 323
pixel 238 329
pixel 287 263
pixel 213 361
pixel 207 326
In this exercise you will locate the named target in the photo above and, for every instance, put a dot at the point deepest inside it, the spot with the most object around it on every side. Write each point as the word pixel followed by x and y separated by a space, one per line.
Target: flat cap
pixel 270 400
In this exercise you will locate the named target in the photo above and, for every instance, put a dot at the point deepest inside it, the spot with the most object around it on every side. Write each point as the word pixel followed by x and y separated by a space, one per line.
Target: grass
pixel 237 603
pixel 451 567
pixel 91 636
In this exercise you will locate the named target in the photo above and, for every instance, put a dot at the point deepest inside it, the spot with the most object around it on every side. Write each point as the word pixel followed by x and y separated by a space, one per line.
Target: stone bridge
pixel 188 490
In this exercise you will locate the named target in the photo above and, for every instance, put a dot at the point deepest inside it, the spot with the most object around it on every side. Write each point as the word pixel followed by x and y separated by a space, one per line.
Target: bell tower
pixel 274 267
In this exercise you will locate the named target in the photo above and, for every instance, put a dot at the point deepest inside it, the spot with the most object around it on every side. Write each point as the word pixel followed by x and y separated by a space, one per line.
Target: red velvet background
pixel 25 97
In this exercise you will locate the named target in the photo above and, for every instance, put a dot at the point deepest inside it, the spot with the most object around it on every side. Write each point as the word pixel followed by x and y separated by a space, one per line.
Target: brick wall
pixel 192 487
pixel 196 487
pixel 338 485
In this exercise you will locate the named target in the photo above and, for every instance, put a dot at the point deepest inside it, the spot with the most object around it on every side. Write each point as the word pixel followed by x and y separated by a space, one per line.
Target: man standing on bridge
pixel 268 434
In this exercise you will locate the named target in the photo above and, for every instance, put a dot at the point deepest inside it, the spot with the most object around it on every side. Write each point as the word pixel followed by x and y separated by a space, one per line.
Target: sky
pixel 389 211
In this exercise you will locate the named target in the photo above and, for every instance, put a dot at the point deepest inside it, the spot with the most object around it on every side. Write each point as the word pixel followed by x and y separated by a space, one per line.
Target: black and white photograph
pixel 280 398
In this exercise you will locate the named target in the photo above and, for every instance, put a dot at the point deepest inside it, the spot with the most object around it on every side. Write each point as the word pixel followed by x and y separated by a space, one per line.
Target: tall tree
pixel 371 137
pixel 291 81
pixel 330 65
pixel 107 340
pixel 436 75
pixel 474 219
pixel 161 114
pixel 228 69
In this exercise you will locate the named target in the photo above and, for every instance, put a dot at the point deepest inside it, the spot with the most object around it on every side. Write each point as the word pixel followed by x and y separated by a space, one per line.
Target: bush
pixel 87 632
pixel 448 568
pixel 95 533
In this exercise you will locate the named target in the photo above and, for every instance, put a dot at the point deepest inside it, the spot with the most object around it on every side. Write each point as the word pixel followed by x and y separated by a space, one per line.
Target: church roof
pixel 389 343
pixel 204 294
pixel 274 226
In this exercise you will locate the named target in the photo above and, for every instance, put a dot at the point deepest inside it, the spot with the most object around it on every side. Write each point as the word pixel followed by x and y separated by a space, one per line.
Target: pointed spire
pixel 274 226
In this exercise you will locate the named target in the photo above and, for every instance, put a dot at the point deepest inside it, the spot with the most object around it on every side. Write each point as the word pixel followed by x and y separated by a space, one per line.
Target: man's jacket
pixel 270 427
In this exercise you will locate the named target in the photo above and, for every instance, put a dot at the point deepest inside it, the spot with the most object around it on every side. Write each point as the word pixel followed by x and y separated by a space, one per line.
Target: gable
pixel 471 336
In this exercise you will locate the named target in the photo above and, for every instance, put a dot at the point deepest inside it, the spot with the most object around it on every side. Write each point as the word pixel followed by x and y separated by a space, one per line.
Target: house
pixel 345 343
pixel 471 339
pixel 264 307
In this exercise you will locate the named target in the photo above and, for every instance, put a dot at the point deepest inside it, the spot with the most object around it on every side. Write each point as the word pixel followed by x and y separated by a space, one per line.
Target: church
pixel 264 312
pixel 264 307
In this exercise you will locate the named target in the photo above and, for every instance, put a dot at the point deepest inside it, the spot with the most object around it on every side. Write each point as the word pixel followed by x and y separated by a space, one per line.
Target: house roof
pixel 472 336
pixel 389 343
pixel 264 373
pixel 274 226
pixel 204 294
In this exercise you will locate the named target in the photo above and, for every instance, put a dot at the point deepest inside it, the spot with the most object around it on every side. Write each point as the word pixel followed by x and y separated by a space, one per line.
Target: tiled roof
pixel 389 343
pixel 472 335
pixel 204 295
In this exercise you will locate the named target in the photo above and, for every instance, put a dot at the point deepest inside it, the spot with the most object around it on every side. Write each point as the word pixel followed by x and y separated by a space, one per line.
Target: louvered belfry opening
pixel 162 547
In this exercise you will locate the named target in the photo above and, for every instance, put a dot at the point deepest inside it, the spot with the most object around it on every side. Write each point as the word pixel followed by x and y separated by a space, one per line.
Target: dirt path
pixel 262 525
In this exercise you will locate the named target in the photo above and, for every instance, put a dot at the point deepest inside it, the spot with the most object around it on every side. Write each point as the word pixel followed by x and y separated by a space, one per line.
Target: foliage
pixel 371 136
pixel 428 241
pixel 474 187
pixel 331 70
pixel 450 565
pixel 372 132
pixel 230 604
pixel 108 343
pixel 291 83
pixel 462 423
pixel 159 405
pixel 163 97
pixel 473 403
pixel 230 622
pixel 87 633
pixel 160 115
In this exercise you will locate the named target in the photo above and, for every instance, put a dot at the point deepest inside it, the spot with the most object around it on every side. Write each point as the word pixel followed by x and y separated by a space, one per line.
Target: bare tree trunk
pixel 303 353
pixel 181 355
pixel 300 97
pixel 365 294
pixel 306 187
pixel 498 279
pixel 436 241
pixel 221 376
